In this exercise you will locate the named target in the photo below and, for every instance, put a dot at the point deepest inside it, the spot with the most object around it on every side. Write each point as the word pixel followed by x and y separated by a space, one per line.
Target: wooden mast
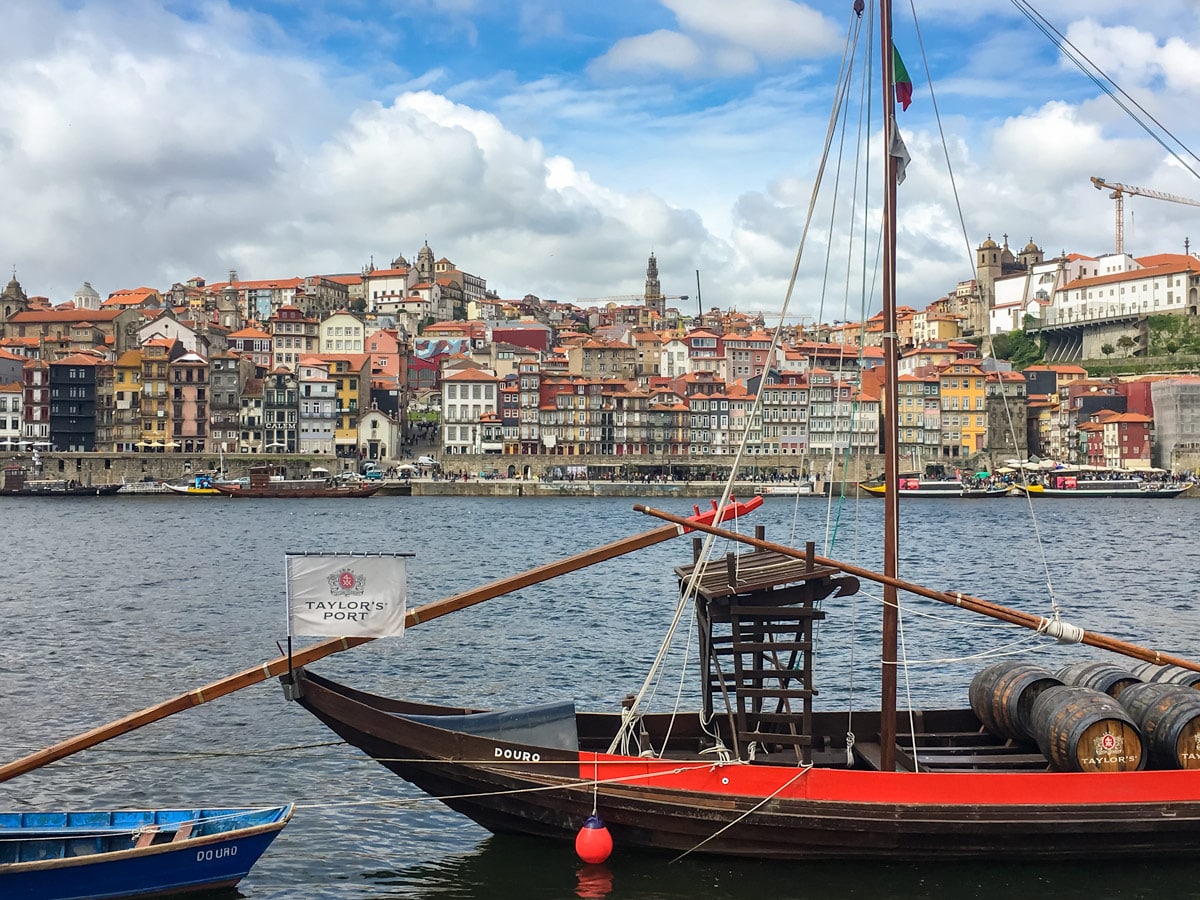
pixel 891 457
pixel 281 664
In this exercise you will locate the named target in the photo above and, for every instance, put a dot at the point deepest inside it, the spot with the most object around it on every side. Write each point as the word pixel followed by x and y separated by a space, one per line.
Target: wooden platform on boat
pixel 747 573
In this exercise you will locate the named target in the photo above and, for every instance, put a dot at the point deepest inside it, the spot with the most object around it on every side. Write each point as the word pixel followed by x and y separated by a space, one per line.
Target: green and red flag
pixel 901 79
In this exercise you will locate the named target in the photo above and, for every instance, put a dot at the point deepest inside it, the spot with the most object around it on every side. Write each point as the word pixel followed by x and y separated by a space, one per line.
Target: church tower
pixel 13 299
pixel 1031 256
pixel 425 263
pixel 654 299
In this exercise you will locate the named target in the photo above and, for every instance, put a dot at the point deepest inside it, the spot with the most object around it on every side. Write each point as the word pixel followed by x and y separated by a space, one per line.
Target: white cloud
pixel 137 148
pixel 770 29
pixel 662 49
pixel 717 39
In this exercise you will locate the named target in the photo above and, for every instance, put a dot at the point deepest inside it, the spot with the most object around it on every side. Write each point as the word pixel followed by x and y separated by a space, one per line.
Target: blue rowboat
pixel 131 853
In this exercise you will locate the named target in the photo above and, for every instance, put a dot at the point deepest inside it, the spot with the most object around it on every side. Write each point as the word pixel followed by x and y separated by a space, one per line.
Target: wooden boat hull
pixel 763 811
pixel 64 856
pixel 299 493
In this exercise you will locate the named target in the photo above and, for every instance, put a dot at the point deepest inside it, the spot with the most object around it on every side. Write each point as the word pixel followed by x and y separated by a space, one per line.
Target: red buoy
pixel 593 844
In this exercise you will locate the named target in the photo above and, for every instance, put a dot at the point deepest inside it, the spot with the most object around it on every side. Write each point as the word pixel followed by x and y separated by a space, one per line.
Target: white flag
pixel 899 151
pixel 351 596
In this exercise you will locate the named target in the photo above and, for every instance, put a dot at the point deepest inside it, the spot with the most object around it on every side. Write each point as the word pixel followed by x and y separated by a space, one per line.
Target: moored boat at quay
pixel 202 485
pixel 1101 482
pixel 926 488
pixel 270 482
pixel 787 489
pixel 18 484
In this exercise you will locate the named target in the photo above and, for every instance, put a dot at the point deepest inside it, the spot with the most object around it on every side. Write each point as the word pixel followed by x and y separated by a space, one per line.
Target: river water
pixel 113 604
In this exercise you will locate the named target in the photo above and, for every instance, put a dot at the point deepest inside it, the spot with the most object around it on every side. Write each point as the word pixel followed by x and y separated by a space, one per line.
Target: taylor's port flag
pixel 351 595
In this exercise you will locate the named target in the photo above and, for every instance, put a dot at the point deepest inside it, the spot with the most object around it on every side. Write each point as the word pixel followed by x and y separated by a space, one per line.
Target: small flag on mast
pixel 901 79
pixel 336 595
pixel 899 151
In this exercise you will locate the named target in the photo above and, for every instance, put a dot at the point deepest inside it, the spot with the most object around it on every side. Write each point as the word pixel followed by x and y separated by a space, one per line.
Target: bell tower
pixel 653 297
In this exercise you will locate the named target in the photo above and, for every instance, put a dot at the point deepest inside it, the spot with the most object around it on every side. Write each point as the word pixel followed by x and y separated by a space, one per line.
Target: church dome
pixel 989 244
pixel 1031 247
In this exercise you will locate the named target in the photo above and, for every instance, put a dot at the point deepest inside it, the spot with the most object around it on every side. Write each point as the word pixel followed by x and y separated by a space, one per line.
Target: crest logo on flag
pixel 346 583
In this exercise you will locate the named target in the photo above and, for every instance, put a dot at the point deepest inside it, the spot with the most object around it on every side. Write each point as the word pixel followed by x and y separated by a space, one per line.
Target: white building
pixel 673 359
pixel 1116 286
pixel 318 406
pixel 1033 292
pixel 378 436
pixel 341 332
pixel 467 396
pixel 10 414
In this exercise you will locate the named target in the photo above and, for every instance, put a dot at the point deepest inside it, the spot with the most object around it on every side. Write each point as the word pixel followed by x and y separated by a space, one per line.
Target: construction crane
pixel 624 298
pixel 1118 193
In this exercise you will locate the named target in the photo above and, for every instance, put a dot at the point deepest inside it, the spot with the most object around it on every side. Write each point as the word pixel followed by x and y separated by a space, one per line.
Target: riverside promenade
pixel 509 487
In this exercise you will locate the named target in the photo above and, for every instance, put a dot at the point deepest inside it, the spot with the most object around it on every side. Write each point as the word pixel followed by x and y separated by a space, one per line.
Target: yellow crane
pixel 1118 193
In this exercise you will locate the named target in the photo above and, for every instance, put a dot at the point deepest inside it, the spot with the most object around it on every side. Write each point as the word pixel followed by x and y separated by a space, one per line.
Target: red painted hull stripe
pixel 842 786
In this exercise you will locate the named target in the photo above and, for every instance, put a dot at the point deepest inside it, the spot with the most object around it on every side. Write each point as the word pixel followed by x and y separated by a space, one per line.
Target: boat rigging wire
pixel 1003 393
pixel 689 593
pixel 1106 84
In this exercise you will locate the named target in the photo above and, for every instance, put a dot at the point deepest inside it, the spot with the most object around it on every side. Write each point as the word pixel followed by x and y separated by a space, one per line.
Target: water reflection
pixel 514 868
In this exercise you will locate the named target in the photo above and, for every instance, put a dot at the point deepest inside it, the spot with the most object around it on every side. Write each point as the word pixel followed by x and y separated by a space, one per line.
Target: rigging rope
pixel 756 407
pixel 1106 84
pixel 1003 392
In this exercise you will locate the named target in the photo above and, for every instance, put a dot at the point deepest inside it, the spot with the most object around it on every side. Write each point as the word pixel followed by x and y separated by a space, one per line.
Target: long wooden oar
pixel 280 664
pixel 1054 628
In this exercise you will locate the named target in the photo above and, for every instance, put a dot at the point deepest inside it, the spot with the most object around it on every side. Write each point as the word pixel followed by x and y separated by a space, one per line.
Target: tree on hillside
pixel 1126 343
pixel 1107 349
pixel 1018 346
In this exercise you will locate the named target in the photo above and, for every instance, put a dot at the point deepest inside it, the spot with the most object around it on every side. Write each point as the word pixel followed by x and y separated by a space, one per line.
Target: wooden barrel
pixel 1099 676
pixel 1003 694
pixel 1168 716
pixel 1167 675
pixel 1083 730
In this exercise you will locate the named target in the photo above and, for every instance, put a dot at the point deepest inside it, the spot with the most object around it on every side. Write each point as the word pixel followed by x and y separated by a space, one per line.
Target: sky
pixel 551 147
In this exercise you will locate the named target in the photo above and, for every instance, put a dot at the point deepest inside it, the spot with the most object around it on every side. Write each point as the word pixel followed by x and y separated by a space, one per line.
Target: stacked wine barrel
pixel 1167 709
pixel 1094 717
pixel 1002 697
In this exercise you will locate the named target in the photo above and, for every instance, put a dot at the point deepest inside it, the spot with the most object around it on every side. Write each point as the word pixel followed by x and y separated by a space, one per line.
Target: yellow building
pixel 964 407
pixel 155 413
pixel 352 374
pixel 127 398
